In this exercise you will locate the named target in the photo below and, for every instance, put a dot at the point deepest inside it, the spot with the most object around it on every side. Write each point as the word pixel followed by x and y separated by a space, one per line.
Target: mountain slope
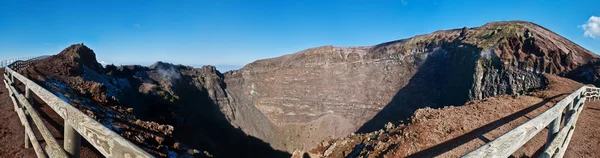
pixel 295 101
pixel 371 85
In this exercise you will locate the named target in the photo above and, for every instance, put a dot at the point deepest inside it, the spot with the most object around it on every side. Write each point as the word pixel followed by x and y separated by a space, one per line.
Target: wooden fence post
pixel 553 130
pixel 27 143
pixel 72 141
pixel 29 98
pixel 28 95
pixel 569 111
pixel 582 103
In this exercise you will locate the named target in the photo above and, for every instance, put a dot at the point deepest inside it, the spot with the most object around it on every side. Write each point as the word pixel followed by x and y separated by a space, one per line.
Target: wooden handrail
pixel 29 135
pixel 53 146
pixel 558 140
pixel 5 63
pixel 77 124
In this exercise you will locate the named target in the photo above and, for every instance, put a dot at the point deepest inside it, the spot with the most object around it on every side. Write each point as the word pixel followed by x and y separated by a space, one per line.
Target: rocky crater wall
pixel 371 85
pixel 295 101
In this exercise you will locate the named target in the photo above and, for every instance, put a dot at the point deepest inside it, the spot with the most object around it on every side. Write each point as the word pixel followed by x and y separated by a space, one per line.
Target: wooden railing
pixel 558 138
pixel 76 123
pixel 5 63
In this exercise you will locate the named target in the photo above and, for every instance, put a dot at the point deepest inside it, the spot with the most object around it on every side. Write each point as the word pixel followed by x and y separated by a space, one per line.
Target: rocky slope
pixel 295 101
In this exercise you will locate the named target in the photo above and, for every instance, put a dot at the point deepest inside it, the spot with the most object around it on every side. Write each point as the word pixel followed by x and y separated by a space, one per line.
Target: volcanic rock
pixel 372 85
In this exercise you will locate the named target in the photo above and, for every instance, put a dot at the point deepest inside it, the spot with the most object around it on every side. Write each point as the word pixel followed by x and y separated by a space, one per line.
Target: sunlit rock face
pixel 368 86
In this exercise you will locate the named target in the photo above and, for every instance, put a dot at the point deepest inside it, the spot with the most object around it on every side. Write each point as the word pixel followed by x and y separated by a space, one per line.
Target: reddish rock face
pixel 390 80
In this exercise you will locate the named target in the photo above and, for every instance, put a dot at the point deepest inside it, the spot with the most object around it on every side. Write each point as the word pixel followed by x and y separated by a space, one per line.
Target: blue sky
pixel 232 33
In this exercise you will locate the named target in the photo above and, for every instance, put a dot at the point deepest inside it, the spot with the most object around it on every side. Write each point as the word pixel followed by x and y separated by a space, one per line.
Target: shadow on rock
pixel 183 100
pixel 443 78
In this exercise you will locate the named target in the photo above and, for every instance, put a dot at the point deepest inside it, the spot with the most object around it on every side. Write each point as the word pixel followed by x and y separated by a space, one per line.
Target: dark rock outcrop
pixel 195 101
pixel 166 109
pixel 588 73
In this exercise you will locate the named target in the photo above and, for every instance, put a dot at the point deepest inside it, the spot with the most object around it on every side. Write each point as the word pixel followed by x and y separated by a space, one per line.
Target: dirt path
pixel 12 132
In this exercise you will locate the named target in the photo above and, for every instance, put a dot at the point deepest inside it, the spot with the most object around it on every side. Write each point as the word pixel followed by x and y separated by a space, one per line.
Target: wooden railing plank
pixel 29 135
pixel 553 128
pixel 10 93
pixel 55 148
pixel 572 128
pixel 109 143
pixel 558 142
